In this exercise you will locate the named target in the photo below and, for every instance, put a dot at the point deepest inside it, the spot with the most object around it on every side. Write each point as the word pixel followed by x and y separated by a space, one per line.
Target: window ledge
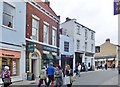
pixel 8 28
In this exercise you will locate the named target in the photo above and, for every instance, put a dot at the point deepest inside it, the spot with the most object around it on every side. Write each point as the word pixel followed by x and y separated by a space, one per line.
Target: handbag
pixel 67 80
pixel 7 80
pixel 71 79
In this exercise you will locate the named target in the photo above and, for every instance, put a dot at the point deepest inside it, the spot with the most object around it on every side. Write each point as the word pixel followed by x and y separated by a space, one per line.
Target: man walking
pixel 79 69
pixel 50 73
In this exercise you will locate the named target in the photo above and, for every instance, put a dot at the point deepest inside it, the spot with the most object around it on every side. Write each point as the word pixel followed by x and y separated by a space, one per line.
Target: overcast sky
pixel 94 14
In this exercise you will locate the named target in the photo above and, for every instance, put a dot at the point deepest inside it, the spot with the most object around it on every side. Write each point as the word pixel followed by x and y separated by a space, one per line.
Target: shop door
pixel 34 66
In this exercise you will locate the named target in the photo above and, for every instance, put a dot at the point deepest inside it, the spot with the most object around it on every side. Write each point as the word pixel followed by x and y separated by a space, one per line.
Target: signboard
pixel 49 48
pixel 31 47
pixel 116 7
pixel 14 68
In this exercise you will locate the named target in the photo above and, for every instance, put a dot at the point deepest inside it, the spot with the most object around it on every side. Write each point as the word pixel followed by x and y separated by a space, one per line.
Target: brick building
pixel 42 36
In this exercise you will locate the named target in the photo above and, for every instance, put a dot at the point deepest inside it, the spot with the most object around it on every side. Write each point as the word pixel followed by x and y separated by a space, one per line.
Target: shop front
pixel 10 58
pixel 50 54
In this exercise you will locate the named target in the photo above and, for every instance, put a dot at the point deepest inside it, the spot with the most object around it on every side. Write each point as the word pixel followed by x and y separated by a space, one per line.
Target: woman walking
pixel 58 77
pixel 6 77
pixel 69 73
pixel 42 77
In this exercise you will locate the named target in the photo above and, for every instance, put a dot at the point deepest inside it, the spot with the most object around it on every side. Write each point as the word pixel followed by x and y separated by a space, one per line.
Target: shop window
pixel 13 65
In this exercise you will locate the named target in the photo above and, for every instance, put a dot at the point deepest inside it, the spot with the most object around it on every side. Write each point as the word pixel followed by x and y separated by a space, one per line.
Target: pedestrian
pixel 76 69
pixel 69 73
pixel 106 66
pixel 42 77
pixel 58 77
pixel 6 77
pixel 79 69
pixel 50 73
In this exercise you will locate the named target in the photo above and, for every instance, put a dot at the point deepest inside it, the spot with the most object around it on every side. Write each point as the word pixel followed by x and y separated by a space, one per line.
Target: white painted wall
pixel 71 30
pixel 17 35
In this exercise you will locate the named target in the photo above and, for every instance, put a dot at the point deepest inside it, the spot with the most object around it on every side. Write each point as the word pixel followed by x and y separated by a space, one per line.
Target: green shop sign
pixel 31 47
pixel 49 48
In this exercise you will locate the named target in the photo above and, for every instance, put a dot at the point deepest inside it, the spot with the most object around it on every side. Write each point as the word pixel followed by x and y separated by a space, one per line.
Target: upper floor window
pixel 46 33
pixel 85 32
pixel 66 46
pixel 91 47
pixel 54 37
pixel 97 49
pixel 35 27
pixel 78 44
pixel 78 29
pixel 92 35
pixel 8 15
pixel 85 46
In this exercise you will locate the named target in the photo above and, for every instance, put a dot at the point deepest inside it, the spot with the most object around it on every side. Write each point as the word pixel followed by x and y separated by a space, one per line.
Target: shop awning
pixel 48 56
pixel 57 57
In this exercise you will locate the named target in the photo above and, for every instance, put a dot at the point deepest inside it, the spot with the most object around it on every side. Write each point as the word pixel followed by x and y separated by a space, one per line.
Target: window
pixel 35 27
pixel 92 35
pixel 54 37
pixel 78 29
pixel 78 44
pixel 85 32
pixel 46 32
pixel 91 47
pixel 8 15
pixel 85 46
pixel 66 46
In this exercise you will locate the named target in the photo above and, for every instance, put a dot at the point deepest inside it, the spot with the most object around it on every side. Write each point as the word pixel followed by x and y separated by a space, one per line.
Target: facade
pixel 83 40
pixel 66 51
pixel 42 36
pixel 106 53
pixel 12 39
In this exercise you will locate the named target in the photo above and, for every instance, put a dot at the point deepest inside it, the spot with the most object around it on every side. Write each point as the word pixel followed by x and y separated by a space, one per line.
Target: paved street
pixel 100 77
pixel 104 77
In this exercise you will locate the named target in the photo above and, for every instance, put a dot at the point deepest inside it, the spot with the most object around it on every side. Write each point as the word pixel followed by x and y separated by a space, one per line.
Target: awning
pixel 57 57
pixel 47 56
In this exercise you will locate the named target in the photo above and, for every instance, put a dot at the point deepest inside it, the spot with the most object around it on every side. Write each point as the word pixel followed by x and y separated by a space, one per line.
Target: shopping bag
pixel 7 80
pixel 67 80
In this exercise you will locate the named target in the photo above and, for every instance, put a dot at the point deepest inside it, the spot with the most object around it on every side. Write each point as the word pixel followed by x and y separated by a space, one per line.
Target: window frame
pixel 10 15
pixel 37 38
pixel 46 33
pixel 66 46
pixel 54 36
pixel 78 44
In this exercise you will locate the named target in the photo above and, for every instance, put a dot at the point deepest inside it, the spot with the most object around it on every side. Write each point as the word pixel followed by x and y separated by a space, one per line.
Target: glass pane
pixel 8 9
pixel 34 34
pixel 7 20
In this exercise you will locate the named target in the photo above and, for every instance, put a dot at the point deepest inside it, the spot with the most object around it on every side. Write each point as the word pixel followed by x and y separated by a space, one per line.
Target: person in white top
pixel 79 69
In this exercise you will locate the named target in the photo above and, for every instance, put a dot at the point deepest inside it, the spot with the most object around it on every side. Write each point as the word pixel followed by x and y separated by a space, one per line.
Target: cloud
pixel 94 14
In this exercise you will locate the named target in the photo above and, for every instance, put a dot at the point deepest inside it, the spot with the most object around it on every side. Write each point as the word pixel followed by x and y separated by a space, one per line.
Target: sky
pixel 94 14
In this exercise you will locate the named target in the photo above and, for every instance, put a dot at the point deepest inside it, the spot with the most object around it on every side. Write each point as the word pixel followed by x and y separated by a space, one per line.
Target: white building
pixel 66 51
pixel 12 39
pixel 84 41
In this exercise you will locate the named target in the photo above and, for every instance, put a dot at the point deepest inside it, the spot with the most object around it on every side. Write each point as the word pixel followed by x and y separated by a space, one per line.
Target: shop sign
pixel 14 68
pixel 31 47
pixel 49 48
pixel 116 7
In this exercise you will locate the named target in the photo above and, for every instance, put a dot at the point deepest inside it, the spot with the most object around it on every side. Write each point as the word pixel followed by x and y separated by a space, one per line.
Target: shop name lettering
pixel 8 55
pixel 49 48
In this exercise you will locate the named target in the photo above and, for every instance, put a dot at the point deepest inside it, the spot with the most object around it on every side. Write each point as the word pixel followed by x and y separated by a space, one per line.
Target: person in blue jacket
pixel 50 73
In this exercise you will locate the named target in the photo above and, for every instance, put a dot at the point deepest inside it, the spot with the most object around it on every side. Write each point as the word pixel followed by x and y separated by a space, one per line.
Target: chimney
pixel 108 40
pixel 68 19
pixel 47 2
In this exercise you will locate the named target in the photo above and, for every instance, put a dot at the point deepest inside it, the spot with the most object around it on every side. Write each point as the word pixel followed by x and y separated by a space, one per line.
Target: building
pixel 83 40
pixel 66 51
pixel 42 36
pixel 12 39
pixel 106 53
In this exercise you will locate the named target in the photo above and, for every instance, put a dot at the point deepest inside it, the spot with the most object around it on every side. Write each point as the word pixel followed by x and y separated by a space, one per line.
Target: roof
pixel 45 7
